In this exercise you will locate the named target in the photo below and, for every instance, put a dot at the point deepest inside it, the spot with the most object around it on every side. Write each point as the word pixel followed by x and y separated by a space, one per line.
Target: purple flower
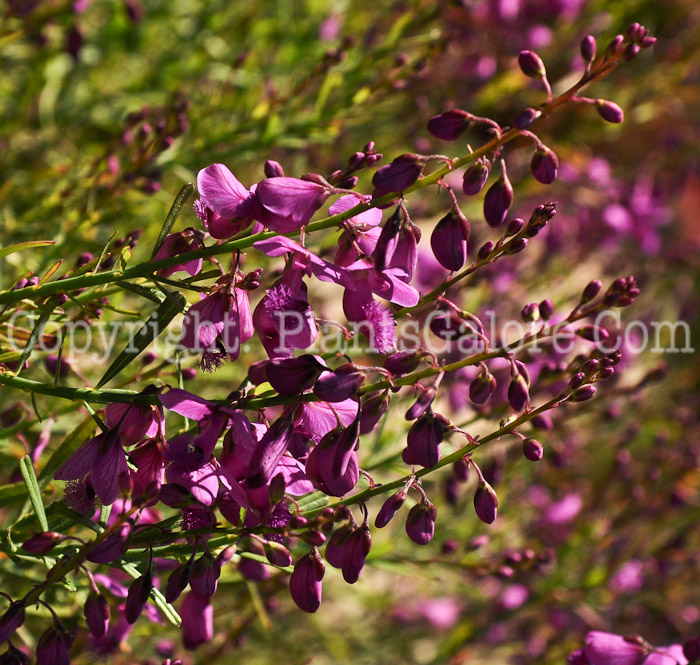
pixel 53 646
pixel 175 244
pixel 269 452
pixel 197 615
pixel 449 240
pixel 97 614
pixel 609 649
pixel 112 547
pixel 486 503
pixel 424 439
pixel 670 655
pixel 420 523
pixel 629 578
pixel 332 465
pixel 104 459
pixel 389 508
pixel 147 480
pixel 188 469
pixel 134 421
pixel 305 582
pixel 287 204
pixel 363 229
pixel 355 550
pixel 399 175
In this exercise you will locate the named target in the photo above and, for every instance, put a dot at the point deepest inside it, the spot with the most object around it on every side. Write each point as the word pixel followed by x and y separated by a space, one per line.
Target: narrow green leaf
pixel 314 501
pixel 143 291
pixel 174 213
pixel 6 251
pixel 155 324
pixel 67 447
pixel 157 597
pixel 26 466
pixel 34 336
pixel 11 494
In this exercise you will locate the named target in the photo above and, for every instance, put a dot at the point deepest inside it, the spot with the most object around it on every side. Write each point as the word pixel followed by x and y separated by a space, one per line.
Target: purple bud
pixel 273 169
pixel 424 439
pixel 542 421
pixel 13 656
pixel 97 614
pixel 42 542
pixel 420 523
pixel 592 333
pixel 609 111
pixel 546 309
pixel 588 48
pixel 305 582
pixel 277 555
pixel 485 250
pixel 178 581
pixel 614 46
pixel 389 508
pixel 531 64
pixel 646 42
pixel 399 175
pixel 631 50
pixel 486 503
pixel 197 621
pixel 315 538
pixel 526 118
pixel 691 649
pixel 403 362
pixel 498 199
pixel 54 646
pixel 591 291
pixel 530 313
pixel 607 648
pixel 514 227
pixel 292 376
pixel 518 394
pixel 137 596
pixel 422 404
pixel 533 450
pixel 388 240
pixel 112 547
pixel 268 452
pixel 583 393
pixel 205 575
pixel 340 384
pixel 482 387
pixel 450 125
pixel 475 177
pixel 355 551
pixel 544 165
pixel 11 620
pixel 372 409
pixel 334 548
pixel 449 240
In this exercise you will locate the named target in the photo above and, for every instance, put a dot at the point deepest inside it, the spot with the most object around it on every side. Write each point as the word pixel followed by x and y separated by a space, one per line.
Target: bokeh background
pixel 107 108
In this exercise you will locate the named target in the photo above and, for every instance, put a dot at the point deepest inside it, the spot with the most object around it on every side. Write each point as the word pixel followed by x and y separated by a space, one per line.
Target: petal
pixel 80 463
pixel 109 466
pixel 186 404
pixel 220 190
pixel 279 245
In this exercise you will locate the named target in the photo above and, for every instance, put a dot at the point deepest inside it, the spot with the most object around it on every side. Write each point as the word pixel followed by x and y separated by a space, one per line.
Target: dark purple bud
pixel 137 596
pixel 588 49
pixel 606 373
pixel 517 245
pixel 422 404
pixel 526 118
pixel 530 313
pixel 54 646
pixel 424 439
pixel 576 381
pixel 420 523
pixel 531 64
pixel 533 450
pixel 399 175
pixel 614 46
pixel 277 555
pixel 592 333
pixel 403 362
pixel 372 409
pixel 277 489
pixel 349 183
pixel 315 538
pixel 486 503
pixel 178 581
pixel 583 393
pixel 355 551
pixel 269 452
pixel 485 250
pixel 609 111
pixel 97 614
pixel 449 240
pixel 591 291
pixel 691 649
pixel 42 542
pixel 292 376
pixel 460 470
pixel 542 421
pixel 13 656
pixel 514 227
pixel 498 199
pixel 298 521
pixel 11 620
pixel 355 160
pixel 273 169
pixel 340 384
pixel 112 547
pixel 305 582
pixel 482 387
pixel 74 41
pixel 334 548
pixel 544 165
pixel 189 373
pixel 205 575
pixel 646 42
pixel 450 125
pixel 475 177
pixel 388 240
pixel 389 508
pixel 630 51
pixel 546 309
pixel 518 394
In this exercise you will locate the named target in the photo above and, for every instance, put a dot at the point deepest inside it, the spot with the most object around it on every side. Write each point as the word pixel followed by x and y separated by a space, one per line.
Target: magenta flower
pixel 187 469
pixel 175 244
pixel 217 325
pixel 332 465
pixel 305 582
pixel 104 459
pixel 670 655
pixel 609 649
pixel 197 615
pixel 363 229
pixel 287 204
pixel 135 422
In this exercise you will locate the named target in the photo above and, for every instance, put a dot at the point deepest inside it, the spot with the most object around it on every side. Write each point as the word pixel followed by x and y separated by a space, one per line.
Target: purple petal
pixel 80 463
pixel 186 404
pixel 220 190
pixel 109 466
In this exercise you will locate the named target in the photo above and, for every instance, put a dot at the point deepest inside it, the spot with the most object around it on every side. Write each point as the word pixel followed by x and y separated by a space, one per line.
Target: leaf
pixel 6 251
pixel 174 213
pixel 68 446
pixel 36 332
pixel 157 597
pixel 11 494
pixel 156 323
pixel 29 475
pixel 314 501
pixel 50 272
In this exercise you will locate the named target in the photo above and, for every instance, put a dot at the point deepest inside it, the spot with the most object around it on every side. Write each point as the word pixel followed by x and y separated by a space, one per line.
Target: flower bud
pixel 498 199
pixel 546 309
pixel 273 169
pixel 305 582
pixel 583 393
pixel 450 125
pixel 482 387
pixel 449 240
pixel 137 596
pixel 54 646
pixel 486 503
pixel 334 548
pixel 340 384
pixel 526 118
pixel 424 439
pixel 13 656
pixel 97 614
pixel 542 421
pixel 178 581
pixel 372 409
pixel 399 175
pixel 403 362
pixel 544 165
pixel 389 508
pixel 355 551
pixel 205 575
pixel 277 555
pixel 691 649
pixel 518 394
pixel 588 49
pixel 592 333
pixel 531 64
pixel 460 470
pixel 485 250
pixel 530 313
pixel 475 177
pixel 420 523
pixel 11 620
pixel 112 547
pixel 292 376
pixel 42 542
pixel 614 46
pixel 609 111
pixel 422 404
pixel 533 450
pixel 514 227
pixel 630 51
pixel 591 291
